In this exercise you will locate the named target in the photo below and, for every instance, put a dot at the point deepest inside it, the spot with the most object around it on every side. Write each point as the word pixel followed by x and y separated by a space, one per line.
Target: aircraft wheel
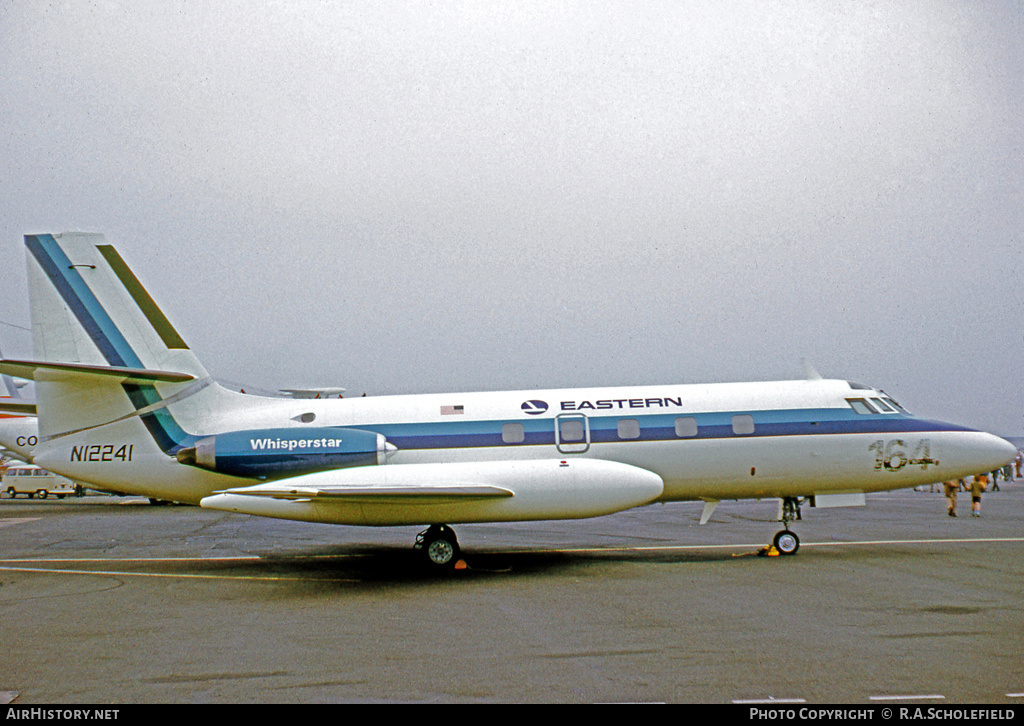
pixel 439 545
pixel 786 542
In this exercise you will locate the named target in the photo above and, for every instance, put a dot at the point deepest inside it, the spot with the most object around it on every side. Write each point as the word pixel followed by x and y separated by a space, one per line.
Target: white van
pixel 35 482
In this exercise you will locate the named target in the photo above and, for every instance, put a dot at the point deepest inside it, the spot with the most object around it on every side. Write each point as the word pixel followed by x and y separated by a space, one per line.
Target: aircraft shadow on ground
pixel 351 568
pixel 376 564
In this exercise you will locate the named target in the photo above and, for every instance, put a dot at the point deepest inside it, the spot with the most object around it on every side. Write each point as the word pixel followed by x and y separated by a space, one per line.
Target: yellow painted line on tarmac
pixel 228 558
pixel 240 558
pixel 169 575
pixel 22 565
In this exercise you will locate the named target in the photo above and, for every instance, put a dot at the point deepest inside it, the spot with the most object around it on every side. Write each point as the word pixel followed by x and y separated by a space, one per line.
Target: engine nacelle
pixel 275 453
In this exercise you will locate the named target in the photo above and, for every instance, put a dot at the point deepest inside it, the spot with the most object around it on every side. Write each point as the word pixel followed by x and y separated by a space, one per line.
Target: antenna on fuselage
pixel 809 371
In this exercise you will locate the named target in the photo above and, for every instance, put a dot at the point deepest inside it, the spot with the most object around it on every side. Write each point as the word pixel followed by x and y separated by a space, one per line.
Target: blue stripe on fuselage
pixel 660 427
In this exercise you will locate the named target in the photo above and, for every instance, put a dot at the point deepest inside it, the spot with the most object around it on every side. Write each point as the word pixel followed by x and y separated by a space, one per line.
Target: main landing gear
pixel 786 542
pixel 439 545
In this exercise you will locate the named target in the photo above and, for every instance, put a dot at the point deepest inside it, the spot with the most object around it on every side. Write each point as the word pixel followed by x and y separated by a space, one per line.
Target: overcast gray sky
pixel 420 197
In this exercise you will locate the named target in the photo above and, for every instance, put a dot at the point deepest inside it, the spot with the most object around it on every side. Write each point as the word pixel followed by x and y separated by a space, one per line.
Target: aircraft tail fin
pixel 105 351
pixel 88 307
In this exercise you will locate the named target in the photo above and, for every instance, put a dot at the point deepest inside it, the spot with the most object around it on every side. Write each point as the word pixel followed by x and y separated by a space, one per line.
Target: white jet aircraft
pixel 125 405
pixel 17 421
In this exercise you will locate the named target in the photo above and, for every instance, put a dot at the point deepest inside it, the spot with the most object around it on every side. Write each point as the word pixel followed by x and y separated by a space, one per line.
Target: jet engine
pixel 276 453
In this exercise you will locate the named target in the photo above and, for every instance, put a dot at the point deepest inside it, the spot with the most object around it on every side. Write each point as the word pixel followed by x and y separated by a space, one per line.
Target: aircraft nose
pixel 993 452
pixel 967 452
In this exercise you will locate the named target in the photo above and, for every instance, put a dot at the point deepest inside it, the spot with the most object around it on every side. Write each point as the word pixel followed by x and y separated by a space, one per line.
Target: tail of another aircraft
pixel 9 385
pixel 105 352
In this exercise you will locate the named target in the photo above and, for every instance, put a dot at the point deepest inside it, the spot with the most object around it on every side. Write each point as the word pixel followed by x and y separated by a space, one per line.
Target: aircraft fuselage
pixel 711 442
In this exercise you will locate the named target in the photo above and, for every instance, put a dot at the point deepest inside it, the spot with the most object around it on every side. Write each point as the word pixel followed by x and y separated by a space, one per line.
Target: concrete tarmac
pixel 104 599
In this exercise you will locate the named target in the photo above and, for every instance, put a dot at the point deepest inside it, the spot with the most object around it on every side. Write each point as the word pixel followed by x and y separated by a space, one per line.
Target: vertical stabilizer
pixel 88 308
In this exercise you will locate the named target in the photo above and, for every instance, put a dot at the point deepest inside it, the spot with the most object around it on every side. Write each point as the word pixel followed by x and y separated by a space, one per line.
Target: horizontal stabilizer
pixel 40 371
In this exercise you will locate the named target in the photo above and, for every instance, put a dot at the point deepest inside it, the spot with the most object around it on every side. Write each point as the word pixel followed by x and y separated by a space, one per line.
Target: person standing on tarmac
pixel 979 485
pixel 949 489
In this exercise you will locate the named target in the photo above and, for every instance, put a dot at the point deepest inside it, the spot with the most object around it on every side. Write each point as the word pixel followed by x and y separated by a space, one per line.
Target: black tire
pixel 440 546
pixel 786 542
pixel 441 552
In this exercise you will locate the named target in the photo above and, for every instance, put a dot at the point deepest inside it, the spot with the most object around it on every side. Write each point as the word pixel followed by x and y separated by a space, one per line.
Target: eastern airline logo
pixel 535 408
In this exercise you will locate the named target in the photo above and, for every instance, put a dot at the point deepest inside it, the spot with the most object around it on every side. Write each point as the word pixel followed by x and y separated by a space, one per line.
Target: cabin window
pixel 860 405
pixel 686 427
pixel 743 424
pixel 629 428
pixel 513 433
pixel 571 430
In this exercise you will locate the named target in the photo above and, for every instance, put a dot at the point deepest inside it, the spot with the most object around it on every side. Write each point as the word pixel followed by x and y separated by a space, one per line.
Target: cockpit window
pixel 860 405
pixel 889 399
pixel 882 406
pixel 880 401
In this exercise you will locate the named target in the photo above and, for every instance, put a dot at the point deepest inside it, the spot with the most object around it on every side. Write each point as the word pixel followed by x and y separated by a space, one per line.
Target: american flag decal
pixel 451 410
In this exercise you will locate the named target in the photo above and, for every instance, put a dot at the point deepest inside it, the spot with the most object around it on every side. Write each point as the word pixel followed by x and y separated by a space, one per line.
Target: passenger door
pixel 572 433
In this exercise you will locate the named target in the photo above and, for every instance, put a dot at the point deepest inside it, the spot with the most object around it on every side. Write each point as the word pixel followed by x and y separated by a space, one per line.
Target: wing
pixel 420 493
